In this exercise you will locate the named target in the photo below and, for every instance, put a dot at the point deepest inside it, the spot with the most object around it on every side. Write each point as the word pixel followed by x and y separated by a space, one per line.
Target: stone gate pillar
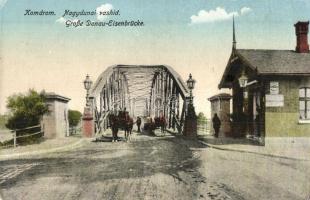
pixel 88 125
pixel 56 122
pixel 220 105
pixel 190 124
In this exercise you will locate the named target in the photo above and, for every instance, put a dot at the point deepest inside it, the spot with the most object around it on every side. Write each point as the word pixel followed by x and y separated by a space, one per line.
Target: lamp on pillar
pixel 191 85
pixel 190 124
pixel 87 85
pixel 88 119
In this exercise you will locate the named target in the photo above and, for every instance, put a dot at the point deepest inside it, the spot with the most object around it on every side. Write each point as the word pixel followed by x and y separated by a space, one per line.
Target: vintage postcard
pixel 137 99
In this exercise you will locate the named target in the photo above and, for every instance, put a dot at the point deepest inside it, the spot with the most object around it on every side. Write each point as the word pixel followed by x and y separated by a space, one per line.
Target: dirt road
pixel 145 168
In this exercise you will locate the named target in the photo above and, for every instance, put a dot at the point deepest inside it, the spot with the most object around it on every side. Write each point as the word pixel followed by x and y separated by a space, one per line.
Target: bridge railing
pixel 75 130
pixel 178 124
pixel 101 120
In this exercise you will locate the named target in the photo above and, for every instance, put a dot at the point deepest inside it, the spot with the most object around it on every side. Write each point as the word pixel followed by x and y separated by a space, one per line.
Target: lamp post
pixel 243 82
pixel 190 124
pixel 191 85
pixel 88 126
pixel 87 85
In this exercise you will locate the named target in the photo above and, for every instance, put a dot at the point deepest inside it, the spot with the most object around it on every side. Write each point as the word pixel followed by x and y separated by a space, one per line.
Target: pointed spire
pixel 234 36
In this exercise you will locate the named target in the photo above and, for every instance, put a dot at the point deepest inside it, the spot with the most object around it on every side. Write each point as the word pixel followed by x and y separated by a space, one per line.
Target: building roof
pixel 276 61
pixel 54 96
pixel 269 62
pixel 220 96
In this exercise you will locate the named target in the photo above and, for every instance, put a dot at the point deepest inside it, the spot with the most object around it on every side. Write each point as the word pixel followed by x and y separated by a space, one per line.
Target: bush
pixel 74 117
pixel 201 117
pixel 26 109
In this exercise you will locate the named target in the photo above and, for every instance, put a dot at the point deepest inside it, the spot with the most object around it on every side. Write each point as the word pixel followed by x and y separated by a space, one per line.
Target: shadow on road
pixel 136 159
pixel 225 141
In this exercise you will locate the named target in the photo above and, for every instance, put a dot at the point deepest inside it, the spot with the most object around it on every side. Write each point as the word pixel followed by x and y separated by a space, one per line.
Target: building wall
pixel 225 118
pixel 222 108
pixel 62 123
pixel 215 106
pixel 284 121
pixel 56 123
pixel 49 122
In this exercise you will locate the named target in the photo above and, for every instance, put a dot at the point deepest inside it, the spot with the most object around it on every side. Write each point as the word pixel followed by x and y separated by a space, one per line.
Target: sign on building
pixel 274 87
pixel 274 100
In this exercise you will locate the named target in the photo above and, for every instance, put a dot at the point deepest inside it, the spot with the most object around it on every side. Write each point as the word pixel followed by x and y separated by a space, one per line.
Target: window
pixel 304 103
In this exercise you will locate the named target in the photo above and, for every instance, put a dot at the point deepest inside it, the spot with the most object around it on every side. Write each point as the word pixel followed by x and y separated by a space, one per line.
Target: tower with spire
pixel 234 36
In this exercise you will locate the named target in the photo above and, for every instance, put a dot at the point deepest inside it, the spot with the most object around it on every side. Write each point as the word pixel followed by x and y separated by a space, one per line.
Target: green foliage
pixel 26 109
pixel 74 117
pixel 201 117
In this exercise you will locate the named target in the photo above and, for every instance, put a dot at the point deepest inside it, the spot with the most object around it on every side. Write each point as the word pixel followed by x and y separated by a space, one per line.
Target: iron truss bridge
pixel 143 90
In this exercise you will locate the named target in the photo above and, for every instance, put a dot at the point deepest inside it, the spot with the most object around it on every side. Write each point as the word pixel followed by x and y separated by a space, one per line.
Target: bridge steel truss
pixel 143 90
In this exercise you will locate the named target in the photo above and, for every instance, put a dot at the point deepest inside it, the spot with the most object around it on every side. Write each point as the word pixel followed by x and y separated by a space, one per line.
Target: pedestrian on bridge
pixel 138 124
pixel 163 124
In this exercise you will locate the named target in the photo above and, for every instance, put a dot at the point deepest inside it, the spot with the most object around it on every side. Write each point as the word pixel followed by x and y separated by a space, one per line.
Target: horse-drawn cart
pixel 121 121
pixel 150 125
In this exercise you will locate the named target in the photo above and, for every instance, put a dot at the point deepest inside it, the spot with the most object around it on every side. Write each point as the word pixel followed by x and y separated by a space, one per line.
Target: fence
pixel 73 130
pixel 203 127
pixel 21 135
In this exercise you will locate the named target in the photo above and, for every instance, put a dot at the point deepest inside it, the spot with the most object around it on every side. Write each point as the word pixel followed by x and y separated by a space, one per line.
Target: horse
pixel 122 121
pixel 128 127
pixel 114 124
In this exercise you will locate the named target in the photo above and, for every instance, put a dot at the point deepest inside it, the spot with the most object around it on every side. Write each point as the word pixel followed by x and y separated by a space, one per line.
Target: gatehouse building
pixel 270 90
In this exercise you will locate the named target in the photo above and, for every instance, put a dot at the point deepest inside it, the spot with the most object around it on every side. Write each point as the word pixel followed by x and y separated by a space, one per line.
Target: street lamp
pixel 190 123
pixel 243 80
pixel 191 85
pixel 87 85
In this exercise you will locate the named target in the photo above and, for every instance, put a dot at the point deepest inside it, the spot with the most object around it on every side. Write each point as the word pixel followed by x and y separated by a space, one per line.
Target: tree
pixel 26 109
pixel 201 117
pixel 74 117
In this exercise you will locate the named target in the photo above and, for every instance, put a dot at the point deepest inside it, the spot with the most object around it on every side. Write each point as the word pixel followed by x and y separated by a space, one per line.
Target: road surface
pixel 163 167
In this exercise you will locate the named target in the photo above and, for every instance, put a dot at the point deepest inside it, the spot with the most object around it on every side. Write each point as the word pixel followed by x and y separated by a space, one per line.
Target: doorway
pixel 257 114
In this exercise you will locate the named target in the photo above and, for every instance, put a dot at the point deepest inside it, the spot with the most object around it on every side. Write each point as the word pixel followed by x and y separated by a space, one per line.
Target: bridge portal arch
pixel 143 90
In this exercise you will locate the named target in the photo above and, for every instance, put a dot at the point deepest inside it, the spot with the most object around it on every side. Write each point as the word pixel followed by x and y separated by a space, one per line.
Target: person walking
pixel 163 123
pixel 216 125
pixel 138 124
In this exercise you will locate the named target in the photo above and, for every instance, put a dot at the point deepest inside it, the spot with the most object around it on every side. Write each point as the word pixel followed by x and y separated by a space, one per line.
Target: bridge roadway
pixel 162 167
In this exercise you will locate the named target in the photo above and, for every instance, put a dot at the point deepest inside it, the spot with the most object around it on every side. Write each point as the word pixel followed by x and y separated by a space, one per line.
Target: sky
pixel 195 37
